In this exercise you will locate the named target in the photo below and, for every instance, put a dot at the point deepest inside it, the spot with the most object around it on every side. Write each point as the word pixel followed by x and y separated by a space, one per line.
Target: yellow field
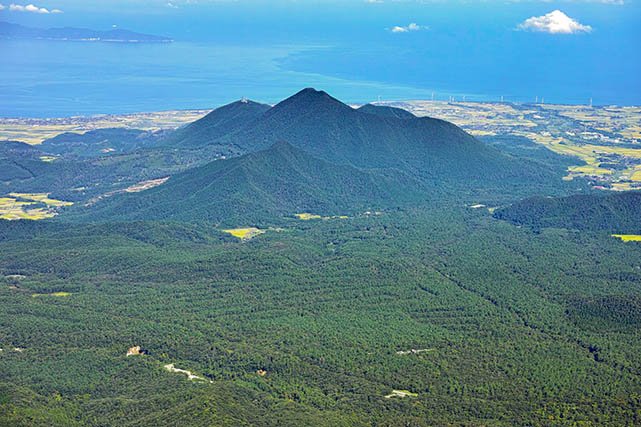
pixel 592 155
pixel 307 216
pixel 245 233
pixel 628 237
pixel 41 198
pixel 21 206
pixel 55 294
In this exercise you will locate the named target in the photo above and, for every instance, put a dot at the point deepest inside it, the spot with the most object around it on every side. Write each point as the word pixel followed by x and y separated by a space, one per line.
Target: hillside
pixel 614 212
pixel 101 142
pixel 268 184
pixel 220 122
pixel 385 111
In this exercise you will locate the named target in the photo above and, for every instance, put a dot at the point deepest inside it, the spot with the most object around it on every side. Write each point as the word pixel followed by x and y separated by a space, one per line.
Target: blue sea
pixel 225 51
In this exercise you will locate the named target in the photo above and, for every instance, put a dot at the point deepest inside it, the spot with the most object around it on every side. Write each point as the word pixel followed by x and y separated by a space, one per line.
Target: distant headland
pixel 16 31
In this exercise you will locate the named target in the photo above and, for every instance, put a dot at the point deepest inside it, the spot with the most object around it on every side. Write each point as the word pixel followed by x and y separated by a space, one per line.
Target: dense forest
pixel 546 333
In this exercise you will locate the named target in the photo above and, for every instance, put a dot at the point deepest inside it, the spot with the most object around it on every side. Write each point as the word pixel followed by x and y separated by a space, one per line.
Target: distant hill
pixel 16 31
pixel 17 147
pixel 281 180
pixel 220 122
pixel 612 212
pixel 10 151
pixel 101 142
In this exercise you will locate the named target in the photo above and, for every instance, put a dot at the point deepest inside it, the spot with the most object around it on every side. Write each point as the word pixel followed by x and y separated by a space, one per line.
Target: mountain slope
pixel 435 151
pixel 615 213
pixel 218 123
pixel 281 180
pixel 385 111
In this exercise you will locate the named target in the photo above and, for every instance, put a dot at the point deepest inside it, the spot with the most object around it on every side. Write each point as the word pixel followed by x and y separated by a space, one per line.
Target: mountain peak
pixel 310 98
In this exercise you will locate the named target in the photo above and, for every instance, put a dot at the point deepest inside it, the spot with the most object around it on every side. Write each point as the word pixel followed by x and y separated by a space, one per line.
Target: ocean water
pixel 266 51
pixel 59 79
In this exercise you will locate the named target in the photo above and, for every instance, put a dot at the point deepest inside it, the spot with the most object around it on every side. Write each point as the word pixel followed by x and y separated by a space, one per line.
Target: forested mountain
pixel 385 111
pixel 313 152
pixel 267 184
pixel 329 129
pixel 218 123
pixel 613 212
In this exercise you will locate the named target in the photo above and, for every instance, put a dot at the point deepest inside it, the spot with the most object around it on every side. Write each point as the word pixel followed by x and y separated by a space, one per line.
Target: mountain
pixel 220 122
pixel 614 212
pixel 16 31
pixel 385 111
pixel 435 151
pixel 281 180
pixel 312 152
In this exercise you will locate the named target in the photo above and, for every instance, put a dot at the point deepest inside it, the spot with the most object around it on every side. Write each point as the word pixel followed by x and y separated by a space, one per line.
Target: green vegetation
pixel 422 309
pixel 613 212
pixel 323 309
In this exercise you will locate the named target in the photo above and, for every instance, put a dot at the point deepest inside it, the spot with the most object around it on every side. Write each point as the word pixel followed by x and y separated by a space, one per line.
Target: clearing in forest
pixel 172 368
pixel 628 237
pixel 244 233
pixel 306 216
pixel 401 393
pixel 54 294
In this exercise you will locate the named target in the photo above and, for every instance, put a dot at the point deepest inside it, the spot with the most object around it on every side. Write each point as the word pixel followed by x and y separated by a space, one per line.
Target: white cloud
pixel 555 22
pixel 32 9
pixel 407 28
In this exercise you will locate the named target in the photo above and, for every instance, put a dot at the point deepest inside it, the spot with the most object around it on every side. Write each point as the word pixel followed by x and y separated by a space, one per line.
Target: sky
pixel 572 50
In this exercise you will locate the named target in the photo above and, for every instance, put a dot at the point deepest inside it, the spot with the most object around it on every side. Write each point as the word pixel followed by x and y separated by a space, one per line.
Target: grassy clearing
pixel 628 237
pixel 146 185
pixel 53 294
pixel 309 216
pixel 245 233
